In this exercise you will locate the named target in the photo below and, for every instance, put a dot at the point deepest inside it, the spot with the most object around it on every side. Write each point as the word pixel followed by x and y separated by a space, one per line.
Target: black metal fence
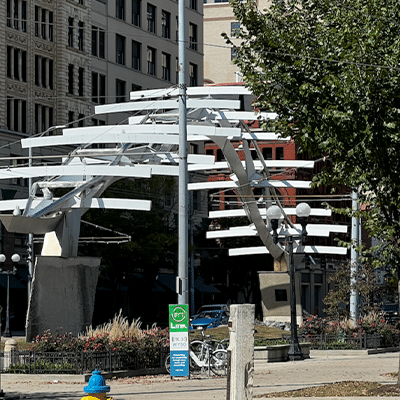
pixel 31 362
pixel 356 341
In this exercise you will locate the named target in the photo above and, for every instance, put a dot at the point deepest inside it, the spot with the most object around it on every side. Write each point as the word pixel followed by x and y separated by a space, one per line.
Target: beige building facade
pixel 218 56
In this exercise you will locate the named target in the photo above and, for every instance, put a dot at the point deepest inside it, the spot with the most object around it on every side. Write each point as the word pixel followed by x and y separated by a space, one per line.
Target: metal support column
pixel 354 259
pixel 183 297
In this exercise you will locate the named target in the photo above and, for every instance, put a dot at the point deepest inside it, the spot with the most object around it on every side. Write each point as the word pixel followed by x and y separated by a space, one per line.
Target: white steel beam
pixel 258 165
pixel 191 91
pixel 107 203
pixel 233 185
pixel 240 212
pixel 247 251
pixel 166 104
pixel 323 230
pixel 134 170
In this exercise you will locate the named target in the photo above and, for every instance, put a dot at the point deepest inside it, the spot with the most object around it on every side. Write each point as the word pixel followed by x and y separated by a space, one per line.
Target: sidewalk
pixel 321 368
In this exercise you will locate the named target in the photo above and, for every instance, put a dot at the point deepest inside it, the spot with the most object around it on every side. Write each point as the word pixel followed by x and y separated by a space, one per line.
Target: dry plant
pixel 116 328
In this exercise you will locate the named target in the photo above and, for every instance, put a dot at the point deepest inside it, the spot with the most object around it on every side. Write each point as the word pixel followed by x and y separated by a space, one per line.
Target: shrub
pixel 117 335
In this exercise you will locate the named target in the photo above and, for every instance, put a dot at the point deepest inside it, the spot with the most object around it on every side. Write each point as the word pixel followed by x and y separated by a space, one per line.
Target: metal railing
pixel 31 362
pixel 356 341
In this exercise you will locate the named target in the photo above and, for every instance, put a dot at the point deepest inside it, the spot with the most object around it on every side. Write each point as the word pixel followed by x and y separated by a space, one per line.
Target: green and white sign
pixel 179 339
pixel 178 318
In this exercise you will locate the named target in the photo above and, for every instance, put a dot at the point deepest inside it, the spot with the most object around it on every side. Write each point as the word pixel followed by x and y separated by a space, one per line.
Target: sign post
pixel 179 339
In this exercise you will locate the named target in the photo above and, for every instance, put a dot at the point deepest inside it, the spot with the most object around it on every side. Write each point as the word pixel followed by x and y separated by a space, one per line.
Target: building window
pixel 95 41
pixel 23 16
pixel 233 53
pixel 267 153
pixel 280 295
pixel 136 50
pixel 16 8
pixel 102 43
pixel 151 61
pixel 98 42
pixel 16 64
pixel 37 21
pixel 120 49
pixel 136 7
pixel 135 88
pixel 71 119
pixel 166 66
pixel 51 26
pixel 80 35
pixel 192 36
pixel 98 88
pixel 120 9
pixel 102 89
pixel 70 79
pixel 235 27
pixel 43 26
pixel 279 153
pixel 151 18
pixel 120 87
pixel 43 117
pixel 37 69
pixel 81 120
pixel 44 72
pixel 70 32
pixel 81 81
pixel 177 70
pixel 43 22
pixel 166 24
pixel 9 19
pixel 16 14
pixel 51 74
pixel 193 4
pixel 192 74
pixel 16 115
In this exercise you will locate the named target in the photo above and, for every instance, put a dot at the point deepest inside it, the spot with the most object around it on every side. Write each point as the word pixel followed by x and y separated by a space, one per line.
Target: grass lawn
pixel 341 389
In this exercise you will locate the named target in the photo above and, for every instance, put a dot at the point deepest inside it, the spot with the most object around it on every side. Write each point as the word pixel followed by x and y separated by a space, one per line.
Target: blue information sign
pixel 179 339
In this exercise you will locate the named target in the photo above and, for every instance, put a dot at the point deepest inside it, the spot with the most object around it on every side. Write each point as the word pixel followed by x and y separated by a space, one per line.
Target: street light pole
pixel 15 260
pixel 274 213
pixel 294 352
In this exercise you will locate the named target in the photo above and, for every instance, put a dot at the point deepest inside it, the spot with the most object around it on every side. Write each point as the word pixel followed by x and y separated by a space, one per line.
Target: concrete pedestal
pixel 63 294
pixel 241 350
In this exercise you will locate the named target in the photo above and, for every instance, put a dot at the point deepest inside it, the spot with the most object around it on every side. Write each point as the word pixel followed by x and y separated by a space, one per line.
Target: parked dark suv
pixel 212 307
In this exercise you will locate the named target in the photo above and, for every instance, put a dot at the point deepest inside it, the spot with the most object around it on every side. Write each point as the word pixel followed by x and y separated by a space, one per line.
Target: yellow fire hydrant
pixel 96 387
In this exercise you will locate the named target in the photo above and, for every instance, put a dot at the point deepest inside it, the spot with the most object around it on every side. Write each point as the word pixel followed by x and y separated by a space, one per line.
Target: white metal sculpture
pixel 147 146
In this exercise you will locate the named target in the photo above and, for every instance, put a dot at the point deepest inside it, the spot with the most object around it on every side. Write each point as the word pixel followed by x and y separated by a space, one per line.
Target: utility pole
pixel 30 237
pixel 183 247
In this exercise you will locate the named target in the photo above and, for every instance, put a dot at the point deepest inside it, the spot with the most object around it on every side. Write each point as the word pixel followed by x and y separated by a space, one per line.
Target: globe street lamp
pixel 15 260
pixel 274 213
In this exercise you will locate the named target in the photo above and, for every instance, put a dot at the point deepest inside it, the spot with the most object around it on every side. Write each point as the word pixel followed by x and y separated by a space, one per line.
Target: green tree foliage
pixel 330 70
pixel 337 300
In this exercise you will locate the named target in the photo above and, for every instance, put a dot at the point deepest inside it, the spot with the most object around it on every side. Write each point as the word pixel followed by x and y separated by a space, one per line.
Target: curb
pixel 69 378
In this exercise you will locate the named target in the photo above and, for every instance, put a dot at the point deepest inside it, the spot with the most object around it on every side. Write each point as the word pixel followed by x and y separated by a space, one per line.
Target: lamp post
pixel 274 213
pixel 15 260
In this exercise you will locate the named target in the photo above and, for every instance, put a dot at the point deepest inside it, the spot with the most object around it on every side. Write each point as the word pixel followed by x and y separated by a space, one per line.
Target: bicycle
pixel 205 355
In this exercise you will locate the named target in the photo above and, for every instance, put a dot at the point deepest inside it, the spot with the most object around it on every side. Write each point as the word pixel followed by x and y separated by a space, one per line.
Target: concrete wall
pixel 63 293
pixel 273 308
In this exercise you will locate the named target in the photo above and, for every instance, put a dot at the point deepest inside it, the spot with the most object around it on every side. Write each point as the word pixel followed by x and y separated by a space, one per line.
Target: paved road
pixel 269 377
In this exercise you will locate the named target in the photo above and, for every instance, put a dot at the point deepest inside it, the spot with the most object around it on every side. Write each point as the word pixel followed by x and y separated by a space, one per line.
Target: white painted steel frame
pixel 244 251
